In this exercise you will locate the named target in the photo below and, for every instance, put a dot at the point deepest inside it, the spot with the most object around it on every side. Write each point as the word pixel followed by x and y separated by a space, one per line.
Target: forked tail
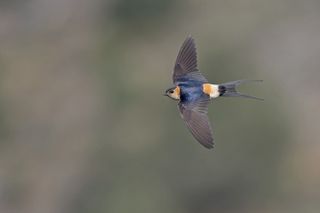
pixel 229 89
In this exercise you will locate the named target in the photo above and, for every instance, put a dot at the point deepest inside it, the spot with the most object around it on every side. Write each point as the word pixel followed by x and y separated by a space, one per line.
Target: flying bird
pixel 194 92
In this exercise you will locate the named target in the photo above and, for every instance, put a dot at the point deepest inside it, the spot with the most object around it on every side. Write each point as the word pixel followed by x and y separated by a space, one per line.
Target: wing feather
pixel 186 61
pixel 196 119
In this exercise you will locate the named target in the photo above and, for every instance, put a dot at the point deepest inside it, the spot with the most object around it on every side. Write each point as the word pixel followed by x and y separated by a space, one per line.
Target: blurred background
pixel 84 126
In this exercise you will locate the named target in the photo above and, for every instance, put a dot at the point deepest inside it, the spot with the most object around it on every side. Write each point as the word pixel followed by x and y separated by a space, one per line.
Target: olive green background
pixel 84 126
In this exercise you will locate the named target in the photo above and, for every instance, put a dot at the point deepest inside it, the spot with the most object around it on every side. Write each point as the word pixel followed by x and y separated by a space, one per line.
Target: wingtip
pixel 189 38
pixel 210 146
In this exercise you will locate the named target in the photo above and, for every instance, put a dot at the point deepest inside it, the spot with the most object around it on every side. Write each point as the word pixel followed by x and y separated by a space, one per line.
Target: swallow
pixel 194 93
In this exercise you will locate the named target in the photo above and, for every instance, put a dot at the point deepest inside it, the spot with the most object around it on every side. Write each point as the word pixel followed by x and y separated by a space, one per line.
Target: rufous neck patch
pixel 177 91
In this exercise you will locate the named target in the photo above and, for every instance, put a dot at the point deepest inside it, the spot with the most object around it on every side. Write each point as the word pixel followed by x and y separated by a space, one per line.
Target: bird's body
pixel 194 92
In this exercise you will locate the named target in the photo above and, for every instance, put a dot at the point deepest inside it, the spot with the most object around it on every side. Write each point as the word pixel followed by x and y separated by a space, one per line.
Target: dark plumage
pixel 194 93
pixel 193 104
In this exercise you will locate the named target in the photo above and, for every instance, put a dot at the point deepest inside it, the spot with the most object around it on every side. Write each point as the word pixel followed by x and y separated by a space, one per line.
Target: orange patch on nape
pixel 177 91
pixel 207 89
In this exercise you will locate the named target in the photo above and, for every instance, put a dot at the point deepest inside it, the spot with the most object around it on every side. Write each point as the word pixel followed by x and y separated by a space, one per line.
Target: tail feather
pixel 229 89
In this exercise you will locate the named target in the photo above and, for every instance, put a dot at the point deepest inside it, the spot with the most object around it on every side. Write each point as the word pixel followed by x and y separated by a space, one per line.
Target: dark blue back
pixel 190 91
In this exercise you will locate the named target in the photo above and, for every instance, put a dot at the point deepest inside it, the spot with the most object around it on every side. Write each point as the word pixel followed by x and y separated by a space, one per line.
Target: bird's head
pixel 173 93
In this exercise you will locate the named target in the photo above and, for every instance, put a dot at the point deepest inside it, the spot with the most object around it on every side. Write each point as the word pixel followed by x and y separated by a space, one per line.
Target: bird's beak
pixel 165 94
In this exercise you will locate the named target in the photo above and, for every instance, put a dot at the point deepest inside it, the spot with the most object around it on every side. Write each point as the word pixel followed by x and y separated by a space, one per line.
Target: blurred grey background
pixel 84 126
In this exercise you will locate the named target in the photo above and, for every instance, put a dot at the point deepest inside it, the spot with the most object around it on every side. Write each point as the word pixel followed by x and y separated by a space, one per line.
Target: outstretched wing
pixel 196 118
pixel 186 63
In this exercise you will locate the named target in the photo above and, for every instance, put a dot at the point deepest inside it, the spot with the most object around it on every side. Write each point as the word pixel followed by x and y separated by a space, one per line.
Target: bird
pixel 194 93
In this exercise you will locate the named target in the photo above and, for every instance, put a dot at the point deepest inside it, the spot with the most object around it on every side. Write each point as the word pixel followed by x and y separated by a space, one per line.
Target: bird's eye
pixel 171 91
